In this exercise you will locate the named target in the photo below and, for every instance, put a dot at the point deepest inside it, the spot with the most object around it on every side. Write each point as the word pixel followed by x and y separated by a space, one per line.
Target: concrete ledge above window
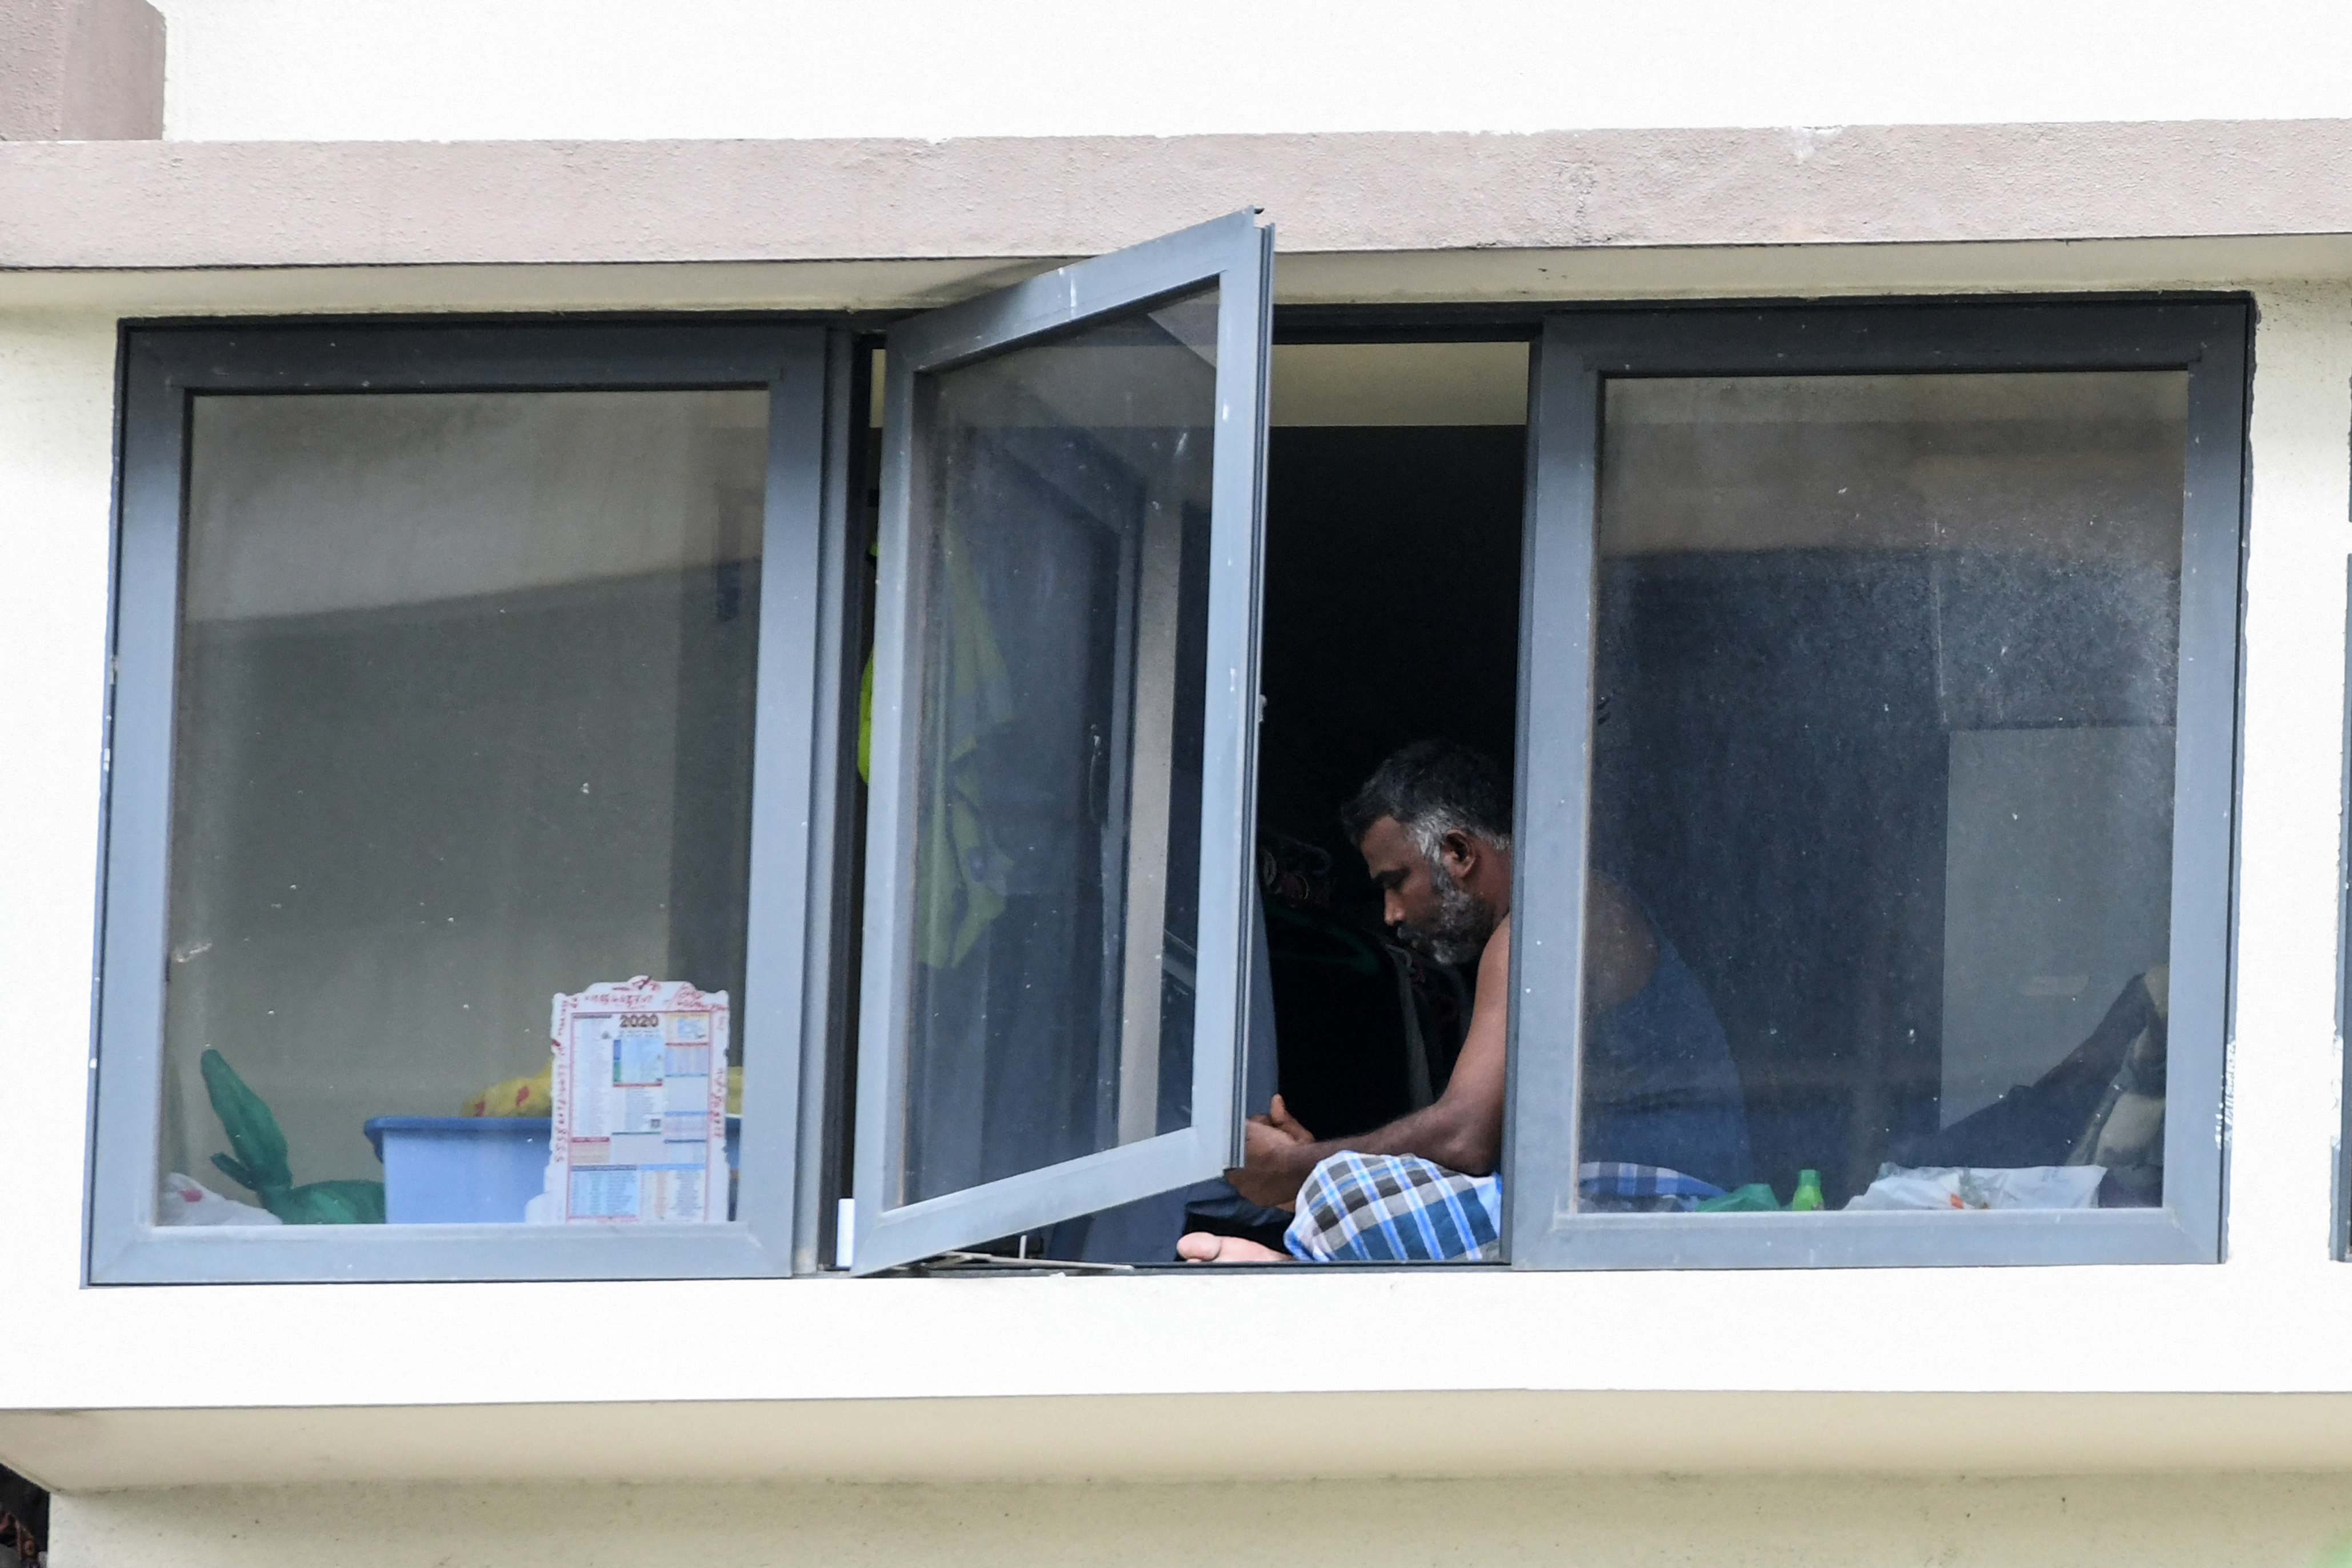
pixel 389 204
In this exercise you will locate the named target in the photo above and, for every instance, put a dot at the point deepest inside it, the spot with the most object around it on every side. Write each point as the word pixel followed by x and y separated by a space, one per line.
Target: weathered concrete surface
pixel 80 70
pixel 176 204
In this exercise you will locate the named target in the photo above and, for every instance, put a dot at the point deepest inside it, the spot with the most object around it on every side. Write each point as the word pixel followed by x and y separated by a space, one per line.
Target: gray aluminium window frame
pixel 796 732
pixel 2210 339
pixel 2339 1243
pixel 1236 255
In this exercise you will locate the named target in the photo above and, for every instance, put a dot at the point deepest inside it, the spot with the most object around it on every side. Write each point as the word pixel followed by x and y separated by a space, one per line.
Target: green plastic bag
pixel 1756 1197
pixel 260 1165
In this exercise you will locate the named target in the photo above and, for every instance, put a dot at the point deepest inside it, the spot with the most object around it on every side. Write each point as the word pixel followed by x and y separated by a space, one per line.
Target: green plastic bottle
pixel 1809 1191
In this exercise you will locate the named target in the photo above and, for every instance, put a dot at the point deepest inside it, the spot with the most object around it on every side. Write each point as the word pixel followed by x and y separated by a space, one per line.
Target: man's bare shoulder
pixel 1496 954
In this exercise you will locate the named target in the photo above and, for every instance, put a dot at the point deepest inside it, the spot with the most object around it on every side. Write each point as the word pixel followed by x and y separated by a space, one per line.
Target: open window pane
pixel 1064 501
pixel 464 720
pixel 1882 782
pixel 1064 704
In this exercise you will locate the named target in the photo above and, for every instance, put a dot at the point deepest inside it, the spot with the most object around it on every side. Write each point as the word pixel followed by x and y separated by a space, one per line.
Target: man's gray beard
pixel 1464 922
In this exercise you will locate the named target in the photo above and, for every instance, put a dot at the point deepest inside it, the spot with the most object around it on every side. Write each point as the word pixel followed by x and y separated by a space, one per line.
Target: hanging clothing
pixel 961 871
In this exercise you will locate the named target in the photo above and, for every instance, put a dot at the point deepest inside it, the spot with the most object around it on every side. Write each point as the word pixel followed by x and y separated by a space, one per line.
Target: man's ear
pixel 1461 853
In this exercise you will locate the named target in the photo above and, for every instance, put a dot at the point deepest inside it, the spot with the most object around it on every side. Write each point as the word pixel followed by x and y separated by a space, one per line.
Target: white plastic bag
pixel 2037 1187
pixel 186 1201
pixel 1986 1187
pixel 1929 1187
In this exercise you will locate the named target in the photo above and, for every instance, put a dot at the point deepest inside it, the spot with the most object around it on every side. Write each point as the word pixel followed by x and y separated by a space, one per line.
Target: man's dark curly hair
pixel 1433 788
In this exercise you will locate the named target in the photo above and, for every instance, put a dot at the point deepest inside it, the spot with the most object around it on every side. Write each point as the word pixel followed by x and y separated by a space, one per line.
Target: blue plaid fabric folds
pixel 1395 1209
pixel 1605 1186
pixel 1400 1208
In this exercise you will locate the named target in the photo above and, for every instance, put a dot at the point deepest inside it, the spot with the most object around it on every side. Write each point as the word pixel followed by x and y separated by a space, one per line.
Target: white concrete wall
pixel 398 70
pixel 56 416
pixel 2271 1319
pixel 2159 1521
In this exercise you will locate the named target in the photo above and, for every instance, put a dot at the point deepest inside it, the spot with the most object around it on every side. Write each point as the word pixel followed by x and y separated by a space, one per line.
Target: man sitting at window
pixel 1434 823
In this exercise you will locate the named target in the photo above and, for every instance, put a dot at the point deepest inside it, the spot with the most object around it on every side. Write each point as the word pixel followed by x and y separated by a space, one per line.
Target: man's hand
pixel 1271 1171
pixel 1269 1140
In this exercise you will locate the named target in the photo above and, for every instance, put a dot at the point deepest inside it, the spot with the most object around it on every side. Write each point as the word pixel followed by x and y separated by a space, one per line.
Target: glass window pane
pixel 1882 816
pixel 465 703
pixel 1062 497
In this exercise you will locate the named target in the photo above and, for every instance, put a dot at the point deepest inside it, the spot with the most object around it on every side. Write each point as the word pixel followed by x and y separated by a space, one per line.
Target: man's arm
pixel 1463 1130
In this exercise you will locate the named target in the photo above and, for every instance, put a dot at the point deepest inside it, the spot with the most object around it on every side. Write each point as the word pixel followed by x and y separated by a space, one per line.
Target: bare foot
pixel 1203 1246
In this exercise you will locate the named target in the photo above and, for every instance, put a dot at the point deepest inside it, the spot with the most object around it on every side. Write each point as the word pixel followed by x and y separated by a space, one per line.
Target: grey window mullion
pixel 890 815
pixel 133 949
pixel 791 800
pixel 1247 975
pixel 2205 788
pixel 1550 836
pixel 832 976
pixel 1229 754
pixel 2340 1218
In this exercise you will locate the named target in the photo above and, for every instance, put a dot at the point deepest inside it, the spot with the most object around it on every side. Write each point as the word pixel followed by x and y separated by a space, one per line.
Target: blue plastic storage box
pixel 468 1170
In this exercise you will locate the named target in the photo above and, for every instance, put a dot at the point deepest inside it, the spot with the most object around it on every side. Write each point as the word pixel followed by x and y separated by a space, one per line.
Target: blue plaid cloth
pixel 1400 1208
pixel 1608 1186
pixel 1395 1209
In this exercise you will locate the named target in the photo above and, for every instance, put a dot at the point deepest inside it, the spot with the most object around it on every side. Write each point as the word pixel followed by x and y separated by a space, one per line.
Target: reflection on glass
pixel 1061 499
pixel 464 722
pixel 1883 785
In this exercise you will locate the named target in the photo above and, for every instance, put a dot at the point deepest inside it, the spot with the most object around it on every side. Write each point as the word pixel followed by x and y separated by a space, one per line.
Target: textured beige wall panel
pixel 81 69
pixel 1834 1522
pixel 317 204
